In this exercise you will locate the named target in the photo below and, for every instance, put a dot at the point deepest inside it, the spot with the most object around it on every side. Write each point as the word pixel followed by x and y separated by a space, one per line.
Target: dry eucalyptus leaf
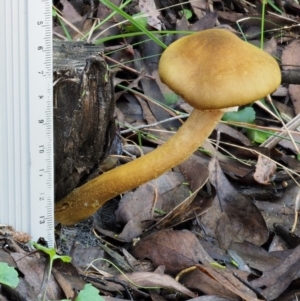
pixel 256 257
pixel 200 281
pixel 274 281
pixel 229 281
pixel 193 205
pixel 195 172
pixel 209 298
pixel 148 279
pixel 136 208
pixel 247 223
pixel 176 250
pixel 224 226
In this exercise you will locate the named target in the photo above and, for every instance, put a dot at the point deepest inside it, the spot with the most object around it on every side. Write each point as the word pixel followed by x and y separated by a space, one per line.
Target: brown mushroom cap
pixel 214 69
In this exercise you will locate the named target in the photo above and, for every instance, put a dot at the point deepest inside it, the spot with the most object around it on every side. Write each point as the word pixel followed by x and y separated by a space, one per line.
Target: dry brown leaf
pixel 136 208
pixel 209 298
pixel 291 56
pixel 230 282
pixel 265 169
pixel 149 9
pixel 247 223
pixel 176 250
pixel 294 91
pixel 291 60
pixel 33 270
pixel 274 281
pixel 147 279
pixel 200 281
pixel 194 205
pixel 256 257
pixel 206 22
pixel 198 7
pixel 69 12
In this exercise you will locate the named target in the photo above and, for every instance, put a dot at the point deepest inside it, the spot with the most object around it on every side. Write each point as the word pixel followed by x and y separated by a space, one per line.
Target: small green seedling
pixel 52 256
pixel 8 275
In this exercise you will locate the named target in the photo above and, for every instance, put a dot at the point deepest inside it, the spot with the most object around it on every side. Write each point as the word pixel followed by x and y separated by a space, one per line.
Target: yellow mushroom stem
pixel 88 198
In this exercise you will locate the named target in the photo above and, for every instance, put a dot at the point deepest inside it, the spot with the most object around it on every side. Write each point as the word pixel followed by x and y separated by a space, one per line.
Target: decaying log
pixel 84 104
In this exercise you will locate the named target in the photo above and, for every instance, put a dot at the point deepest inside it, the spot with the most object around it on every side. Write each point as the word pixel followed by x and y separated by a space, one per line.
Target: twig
pixel 153 124
pixel 126 67
pixel 273 140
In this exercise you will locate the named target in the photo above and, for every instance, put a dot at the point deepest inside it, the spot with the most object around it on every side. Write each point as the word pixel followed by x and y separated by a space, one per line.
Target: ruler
pixel 26 117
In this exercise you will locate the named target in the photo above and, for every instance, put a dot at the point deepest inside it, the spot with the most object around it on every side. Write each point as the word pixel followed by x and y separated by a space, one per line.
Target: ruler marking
pixel 42 164
pixel 26 168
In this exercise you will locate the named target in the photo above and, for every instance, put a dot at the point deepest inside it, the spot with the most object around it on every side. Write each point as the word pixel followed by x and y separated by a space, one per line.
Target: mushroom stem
pixel 88 198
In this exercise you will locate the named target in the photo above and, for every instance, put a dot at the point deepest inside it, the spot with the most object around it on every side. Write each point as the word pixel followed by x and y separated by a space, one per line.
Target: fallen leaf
pixel 230 282
pixel 256 257
pixel 290 59
pixel 247 223
pixel 154 280
pixel 176 250
pixel 33 269
pixel 274 281
pixel 265 169
pixel 200 281
pixel 136 209
pixel 294 91
pixel 149 9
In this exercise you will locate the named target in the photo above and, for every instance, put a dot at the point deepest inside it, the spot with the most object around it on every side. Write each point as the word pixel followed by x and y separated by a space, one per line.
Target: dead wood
pixel 83 113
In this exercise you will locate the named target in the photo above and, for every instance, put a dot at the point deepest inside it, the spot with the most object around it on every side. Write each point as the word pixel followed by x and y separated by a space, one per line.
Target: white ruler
pixel 26 117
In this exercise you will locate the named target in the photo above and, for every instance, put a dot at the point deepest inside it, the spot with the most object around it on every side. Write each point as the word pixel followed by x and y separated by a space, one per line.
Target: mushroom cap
pixel 214 69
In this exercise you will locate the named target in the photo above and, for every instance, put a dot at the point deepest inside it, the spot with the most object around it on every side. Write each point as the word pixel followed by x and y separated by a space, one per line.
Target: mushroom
pixel 211 70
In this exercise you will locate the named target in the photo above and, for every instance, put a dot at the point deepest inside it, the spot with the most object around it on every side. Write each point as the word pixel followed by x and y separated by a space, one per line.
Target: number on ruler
pixel 42 220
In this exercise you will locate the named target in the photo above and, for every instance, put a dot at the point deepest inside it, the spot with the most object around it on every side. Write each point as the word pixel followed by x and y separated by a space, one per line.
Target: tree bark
pixel 84 126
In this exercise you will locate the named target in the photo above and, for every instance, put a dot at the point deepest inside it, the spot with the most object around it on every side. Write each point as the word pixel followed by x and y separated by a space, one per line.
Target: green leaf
pixel 8 275
pixel 272 4
pixel 89 293
pixel 171 98
pixel 258 136
pixel 246 115
pixel 51 252
pixel 186 13
pixel 142 21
